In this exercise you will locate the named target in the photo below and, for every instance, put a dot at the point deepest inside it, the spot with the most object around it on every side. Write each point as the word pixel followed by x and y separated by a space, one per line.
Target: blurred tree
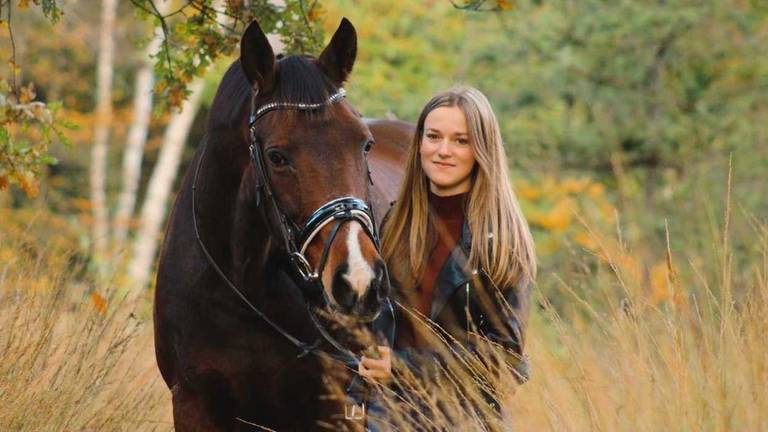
pixel 22 158
pixel 137 137
pixel 482 5
pixel 98 166
pixel 156 202
pixel 417 50
pixel 194 40
pixel 591 84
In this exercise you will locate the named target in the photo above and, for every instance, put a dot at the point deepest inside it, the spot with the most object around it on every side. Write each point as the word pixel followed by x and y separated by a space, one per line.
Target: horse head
pixel 309 171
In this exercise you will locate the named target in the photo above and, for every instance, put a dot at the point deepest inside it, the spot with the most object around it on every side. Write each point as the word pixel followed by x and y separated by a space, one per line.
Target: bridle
pixel 295 240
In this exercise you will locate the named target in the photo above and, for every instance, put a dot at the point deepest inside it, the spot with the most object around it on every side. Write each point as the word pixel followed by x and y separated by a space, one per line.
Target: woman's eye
pixel 462 141
pixel 277 159
pixel 432 136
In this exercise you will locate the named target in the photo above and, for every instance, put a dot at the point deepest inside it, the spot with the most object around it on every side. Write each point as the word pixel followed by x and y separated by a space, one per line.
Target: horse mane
pixel 298 79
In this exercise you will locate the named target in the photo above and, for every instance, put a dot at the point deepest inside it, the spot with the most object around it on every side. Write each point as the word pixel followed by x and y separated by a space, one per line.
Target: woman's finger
pixel 362 370
pixel 374 363
pixel 382 370
pixel 381 376
pixel 374 370
pixel 368 374
pixel 378 375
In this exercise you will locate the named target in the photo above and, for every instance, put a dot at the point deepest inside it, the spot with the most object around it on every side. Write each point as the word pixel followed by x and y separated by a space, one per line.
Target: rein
pixel 296 240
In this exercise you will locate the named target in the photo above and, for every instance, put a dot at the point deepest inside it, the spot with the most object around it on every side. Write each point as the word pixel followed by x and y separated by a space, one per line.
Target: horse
pixel 275 229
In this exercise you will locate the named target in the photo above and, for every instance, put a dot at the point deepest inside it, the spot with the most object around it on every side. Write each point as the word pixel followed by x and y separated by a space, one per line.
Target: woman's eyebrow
pixel 439 131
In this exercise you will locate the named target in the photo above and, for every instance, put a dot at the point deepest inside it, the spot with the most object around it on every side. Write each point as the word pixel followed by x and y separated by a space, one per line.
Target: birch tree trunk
pixel 137 138
pixel 156 202
pixel 100 229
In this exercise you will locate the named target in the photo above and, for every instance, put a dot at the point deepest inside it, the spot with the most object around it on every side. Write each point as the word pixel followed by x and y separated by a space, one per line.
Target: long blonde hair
pixel 501 240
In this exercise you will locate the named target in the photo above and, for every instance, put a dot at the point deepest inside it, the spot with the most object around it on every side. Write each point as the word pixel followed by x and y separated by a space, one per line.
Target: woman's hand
pixel 377 370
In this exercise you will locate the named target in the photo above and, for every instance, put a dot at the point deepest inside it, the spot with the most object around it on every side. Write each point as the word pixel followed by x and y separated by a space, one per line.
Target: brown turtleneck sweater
pixel 448 215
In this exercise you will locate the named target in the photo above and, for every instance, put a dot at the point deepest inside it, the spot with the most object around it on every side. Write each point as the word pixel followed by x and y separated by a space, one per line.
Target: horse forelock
pixel 300 80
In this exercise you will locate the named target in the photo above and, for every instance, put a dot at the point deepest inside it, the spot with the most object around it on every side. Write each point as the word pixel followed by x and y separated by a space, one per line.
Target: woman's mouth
pixel 443 164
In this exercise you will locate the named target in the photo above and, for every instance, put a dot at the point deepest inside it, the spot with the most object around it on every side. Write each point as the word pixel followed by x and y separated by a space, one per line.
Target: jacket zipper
pixel 469 316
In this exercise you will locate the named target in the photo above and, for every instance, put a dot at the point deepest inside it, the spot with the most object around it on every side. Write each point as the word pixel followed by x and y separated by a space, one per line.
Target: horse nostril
pixel 343 293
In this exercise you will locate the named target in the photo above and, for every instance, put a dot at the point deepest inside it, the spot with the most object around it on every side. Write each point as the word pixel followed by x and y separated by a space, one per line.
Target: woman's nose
pixel 444 148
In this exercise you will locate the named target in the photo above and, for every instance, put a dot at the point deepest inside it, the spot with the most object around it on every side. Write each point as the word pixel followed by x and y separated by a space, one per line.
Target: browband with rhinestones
pixel 339 95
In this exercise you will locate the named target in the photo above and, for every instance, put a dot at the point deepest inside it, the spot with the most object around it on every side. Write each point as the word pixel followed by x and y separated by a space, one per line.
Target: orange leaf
pixel 160 87
pixel 315 13
pixel 29 185
pixel 27 94
pixel 99 302
pixel 14 66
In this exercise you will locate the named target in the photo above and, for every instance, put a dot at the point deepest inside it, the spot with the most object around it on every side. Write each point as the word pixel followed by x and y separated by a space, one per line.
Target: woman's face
pixel 446 154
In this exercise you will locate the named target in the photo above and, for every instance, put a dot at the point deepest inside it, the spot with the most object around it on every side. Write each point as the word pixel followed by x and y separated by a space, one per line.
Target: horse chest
pixel 270 385
pixel 253 362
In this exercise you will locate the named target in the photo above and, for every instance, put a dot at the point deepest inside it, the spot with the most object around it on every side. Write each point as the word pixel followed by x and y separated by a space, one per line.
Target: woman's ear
pixel 257 58
pixel 338 57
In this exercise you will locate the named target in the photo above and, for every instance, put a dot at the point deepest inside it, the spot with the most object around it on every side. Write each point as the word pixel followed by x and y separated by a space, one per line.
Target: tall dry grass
pixel 698 362
pixel 69 360
pixel 640 349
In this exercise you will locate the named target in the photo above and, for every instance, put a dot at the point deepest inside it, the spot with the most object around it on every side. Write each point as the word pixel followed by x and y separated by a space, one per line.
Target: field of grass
pixel 608 351
pixel 697 362
pixel 70 361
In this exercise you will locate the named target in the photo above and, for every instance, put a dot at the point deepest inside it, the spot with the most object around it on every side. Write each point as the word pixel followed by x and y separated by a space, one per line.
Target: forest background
pixel 636 134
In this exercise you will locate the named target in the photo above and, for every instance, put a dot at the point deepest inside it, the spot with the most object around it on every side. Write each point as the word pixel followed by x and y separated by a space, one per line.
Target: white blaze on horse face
pixel 360 273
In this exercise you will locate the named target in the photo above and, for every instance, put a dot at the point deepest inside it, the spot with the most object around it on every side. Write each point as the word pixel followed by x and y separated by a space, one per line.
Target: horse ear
pixel 257 58
pixel 338 57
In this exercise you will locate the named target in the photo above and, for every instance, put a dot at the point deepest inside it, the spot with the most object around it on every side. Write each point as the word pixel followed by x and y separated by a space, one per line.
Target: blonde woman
pixel 457 246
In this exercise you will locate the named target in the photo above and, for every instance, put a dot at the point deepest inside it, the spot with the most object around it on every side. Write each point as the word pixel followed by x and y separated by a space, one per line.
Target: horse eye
pixel 277 159
pixel 367 146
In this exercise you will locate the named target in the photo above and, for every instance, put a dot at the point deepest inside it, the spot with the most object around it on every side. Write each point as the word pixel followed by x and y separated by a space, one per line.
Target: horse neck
pixel 252 245
pixel 230 225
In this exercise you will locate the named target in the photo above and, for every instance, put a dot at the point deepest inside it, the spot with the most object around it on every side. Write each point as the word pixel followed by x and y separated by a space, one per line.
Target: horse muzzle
pixel 360 304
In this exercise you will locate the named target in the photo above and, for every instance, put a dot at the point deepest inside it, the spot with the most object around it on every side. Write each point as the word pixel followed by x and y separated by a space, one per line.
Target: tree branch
pixel 14 84
pixel 474 5
pixel 305 17
pixel 163 25
pixel 211 13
